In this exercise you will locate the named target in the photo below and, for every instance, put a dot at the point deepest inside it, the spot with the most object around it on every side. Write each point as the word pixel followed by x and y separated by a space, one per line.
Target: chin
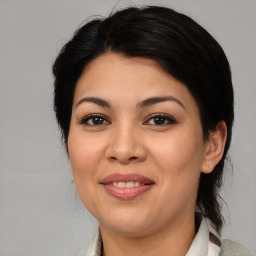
pixel 130 224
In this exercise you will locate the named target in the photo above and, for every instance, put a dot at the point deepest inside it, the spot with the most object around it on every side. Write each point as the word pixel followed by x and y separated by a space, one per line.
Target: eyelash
pixel 164 117
pixel 84 121
pixel 167 118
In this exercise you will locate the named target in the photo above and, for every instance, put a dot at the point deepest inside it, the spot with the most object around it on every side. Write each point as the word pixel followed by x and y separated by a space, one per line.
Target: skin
pixel 129 140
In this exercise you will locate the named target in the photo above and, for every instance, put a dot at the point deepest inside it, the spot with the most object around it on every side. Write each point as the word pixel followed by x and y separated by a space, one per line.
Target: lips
pixel 126 186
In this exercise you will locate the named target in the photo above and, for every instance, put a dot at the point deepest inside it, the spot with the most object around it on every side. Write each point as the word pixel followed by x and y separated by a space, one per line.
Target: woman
pixel 144 100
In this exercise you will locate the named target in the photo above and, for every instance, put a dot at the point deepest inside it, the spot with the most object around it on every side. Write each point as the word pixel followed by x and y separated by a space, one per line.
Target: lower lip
pixel 126 193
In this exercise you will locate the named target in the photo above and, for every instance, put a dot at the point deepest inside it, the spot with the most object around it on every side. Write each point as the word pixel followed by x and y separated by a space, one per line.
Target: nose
pixel 126 145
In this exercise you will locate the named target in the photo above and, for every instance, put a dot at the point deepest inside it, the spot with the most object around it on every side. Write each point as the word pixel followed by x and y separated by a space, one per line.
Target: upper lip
pixel 118 177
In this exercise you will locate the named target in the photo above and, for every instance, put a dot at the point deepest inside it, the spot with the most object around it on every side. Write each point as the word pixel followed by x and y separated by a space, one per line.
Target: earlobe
pixel 215 147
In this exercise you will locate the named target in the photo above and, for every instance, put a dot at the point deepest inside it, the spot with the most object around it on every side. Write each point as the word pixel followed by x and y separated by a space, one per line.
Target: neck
pixel 172 240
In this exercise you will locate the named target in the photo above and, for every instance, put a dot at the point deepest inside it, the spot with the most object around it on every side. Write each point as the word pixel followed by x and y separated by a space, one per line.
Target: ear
pixel 214 147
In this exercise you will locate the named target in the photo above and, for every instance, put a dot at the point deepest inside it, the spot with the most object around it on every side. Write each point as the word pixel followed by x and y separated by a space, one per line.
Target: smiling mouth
pixel 126 186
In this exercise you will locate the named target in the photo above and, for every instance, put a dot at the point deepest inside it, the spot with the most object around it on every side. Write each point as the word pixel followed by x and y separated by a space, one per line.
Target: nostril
pixel 123 160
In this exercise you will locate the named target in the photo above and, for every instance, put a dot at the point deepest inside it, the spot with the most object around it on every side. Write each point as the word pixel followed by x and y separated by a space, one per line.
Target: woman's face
pixel 135 144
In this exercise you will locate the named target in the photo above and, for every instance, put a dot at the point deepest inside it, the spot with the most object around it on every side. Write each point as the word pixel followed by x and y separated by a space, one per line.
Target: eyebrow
pixel 155 100
pixel 95 100
pixel 145 103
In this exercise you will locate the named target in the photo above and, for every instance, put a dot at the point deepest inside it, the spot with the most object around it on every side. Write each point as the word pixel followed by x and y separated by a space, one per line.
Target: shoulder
pixel 232 248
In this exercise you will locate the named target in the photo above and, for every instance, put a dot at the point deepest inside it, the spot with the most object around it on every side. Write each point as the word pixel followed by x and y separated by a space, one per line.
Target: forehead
pixel 117 66
pixel 116 77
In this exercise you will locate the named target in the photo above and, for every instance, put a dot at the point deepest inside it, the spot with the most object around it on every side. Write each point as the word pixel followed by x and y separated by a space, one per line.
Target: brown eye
pixel 160 120
pixel 94 120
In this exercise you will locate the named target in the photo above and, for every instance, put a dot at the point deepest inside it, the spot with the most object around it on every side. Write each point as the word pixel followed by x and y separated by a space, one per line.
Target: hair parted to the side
pixel 183 49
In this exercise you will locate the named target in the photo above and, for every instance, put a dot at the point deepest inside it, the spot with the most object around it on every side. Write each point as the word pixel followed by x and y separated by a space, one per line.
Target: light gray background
pixel 39 212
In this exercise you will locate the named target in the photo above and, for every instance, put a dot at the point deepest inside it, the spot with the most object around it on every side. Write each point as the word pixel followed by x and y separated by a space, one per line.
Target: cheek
pixel 178 152
pixel 179 159
pixel 84 155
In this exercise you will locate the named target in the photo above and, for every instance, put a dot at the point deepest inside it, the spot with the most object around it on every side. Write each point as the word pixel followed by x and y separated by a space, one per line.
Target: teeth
pixel 129 184
pixel 137 184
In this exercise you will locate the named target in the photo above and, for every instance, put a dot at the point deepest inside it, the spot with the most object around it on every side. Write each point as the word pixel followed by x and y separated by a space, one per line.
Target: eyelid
pixel 171 119
pixel 84 119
